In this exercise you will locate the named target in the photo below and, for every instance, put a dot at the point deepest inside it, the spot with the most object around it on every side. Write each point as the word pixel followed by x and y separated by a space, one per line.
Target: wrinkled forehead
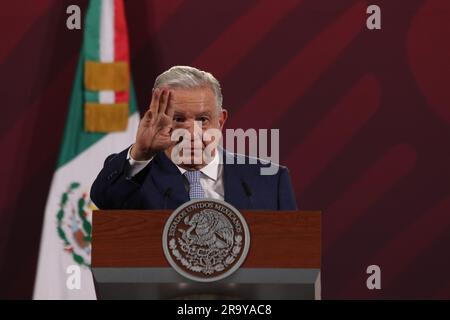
pixel 193 100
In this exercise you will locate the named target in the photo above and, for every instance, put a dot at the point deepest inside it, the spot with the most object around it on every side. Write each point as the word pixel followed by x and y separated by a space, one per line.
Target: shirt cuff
pixel 135 165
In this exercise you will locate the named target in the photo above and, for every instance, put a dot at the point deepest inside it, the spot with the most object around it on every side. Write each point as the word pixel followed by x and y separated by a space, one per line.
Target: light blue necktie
pixel 195 188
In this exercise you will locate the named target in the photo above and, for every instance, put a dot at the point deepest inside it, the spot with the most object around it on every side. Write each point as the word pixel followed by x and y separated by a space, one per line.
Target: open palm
pixel 154 128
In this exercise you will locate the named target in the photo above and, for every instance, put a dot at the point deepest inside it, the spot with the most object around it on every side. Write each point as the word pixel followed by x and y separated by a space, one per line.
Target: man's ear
pixel 223 118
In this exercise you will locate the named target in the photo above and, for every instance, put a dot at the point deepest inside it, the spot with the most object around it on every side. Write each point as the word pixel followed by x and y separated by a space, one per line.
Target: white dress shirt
pixel 211 177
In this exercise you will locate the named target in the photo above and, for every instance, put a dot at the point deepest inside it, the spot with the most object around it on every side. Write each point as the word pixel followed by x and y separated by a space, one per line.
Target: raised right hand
pixel 155 127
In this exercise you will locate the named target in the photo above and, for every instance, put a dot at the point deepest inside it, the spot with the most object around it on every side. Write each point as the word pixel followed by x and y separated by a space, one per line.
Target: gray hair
pixel 190 77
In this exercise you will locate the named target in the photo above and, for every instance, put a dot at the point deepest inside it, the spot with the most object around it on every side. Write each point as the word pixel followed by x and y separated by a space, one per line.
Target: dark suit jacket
pixel 161 186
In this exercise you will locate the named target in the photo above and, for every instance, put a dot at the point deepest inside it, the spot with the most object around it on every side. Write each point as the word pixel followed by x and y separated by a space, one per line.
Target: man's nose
pixel 194 128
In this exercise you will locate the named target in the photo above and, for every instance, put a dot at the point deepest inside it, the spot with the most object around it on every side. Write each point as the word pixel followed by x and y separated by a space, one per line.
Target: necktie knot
pixel 195 188
pixel 193 176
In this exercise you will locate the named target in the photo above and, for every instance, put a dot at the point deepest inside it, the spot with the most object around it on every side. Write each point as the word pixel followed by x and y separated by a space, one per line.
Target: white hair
pixel 189 77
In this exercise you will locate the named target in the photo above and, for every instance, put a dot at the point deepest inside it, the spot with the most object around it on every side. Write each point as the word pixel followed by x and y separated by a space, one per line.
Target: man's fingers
pixel 163 101
pixel 154 105
pixel 169 110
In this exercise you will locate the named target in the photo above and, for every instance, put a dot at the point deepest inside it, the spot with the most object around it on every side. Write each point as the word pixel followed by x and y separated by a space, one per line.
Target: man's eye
pixel 178 119
pixel 203 119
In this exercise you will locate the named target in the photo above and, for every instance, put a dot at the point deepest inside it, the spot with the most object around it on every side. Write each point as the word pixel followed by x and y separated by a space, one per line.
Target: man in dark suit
pixel 160 172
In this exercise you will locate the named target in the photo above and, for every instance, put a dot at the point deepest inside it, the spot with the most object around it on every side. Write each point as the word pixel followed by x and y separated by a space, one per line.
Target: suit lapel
pixel 169 182
pixel 234 191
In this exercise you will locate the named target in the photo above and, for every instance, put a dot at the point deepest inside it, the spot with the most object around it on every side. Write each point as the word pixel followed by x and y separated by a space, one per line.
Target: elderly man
pixel 162 172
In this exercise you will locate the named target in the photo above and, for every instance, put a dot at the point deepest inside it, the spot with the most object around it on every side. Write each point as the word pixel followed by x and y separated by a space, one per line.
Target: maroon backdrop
pixel 364 119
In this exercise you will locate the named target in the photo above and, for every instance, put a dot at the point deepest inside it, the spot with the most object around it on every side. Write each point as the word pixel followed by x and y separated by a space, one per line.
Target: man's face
pixel 195 112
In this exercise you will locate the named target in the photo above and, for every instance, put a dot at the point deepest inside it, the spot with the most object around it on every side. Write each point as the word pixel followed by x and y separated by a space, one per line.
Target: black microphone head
pixel 247 189
pixel 168 192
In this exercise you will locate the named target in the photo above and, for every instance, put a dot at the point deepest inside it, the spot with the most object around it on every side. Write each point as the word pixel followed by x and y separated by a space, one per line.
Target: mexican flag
pixel 102 119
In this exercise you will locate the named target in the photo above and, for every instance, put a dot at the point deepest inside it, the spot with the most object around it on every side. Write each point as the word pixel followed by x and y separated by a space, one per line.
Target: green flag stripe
pixel 91 40
pixel 91 35
pixel 91 96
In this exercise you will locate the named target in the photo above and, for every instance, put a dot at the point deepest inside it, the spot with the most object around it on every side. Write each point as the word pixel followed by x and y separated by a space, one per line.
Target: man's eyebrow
pixel 203 113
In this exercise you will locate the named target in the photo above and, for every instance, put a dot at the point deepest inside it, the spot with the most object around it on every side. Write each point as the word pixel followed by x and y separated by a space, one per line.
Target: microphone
pixel 167 195
pixel 248 193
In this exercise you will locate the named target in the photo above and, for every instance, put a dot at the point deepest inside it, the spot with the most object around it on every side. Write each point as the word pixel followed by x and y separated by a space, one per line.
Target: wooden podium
pixel 283 261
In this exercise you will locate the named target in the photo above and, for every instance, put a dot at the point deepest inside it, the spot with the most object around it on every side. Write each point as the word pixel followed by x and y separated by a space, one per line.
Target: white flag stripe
pixel 107 31
pixel 107 44
pixel 107 96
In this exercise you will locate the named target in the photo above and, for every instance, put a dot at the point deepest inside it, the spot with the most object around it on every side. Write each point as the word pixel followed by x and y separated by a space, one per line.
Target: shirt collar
pixel 211 170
